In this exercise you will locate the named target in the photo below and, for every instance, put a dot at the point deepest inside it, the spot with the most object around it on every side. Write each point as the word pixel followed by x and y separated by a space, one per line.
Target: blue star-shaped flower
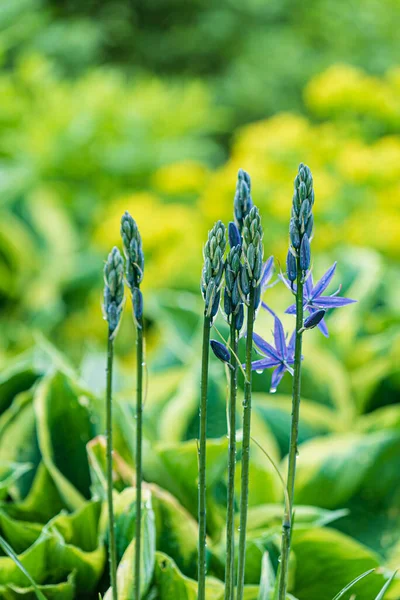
pixel 313 299
pixel 281 356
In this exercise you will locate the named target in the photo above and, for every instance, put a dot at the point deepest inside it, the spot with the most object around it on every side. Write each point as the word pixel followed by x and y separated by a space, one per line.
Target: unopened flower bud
pixel 220 351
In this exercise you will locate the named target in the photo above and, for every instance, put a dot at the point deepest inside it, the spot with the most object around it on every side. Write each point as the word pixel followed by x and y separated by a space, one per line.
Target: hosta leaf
pixel 125 571
pixel 42 502
pixel 174 467
pixel 316 420
pixel 65 590
pixel 18 440
pixel 9 475
pixel 327 561
pixel 267 581
pixel 65 425
pixel 19 534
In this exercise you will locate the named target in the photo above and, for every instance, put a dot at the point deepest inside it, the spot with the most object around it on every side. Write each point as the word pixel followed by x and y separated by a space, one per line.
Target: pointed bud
pixel 220 351
pixel 305 253
pixel 137 304
pixel 132 243
pixel 314 319
pixel 235 239
pixel 291 266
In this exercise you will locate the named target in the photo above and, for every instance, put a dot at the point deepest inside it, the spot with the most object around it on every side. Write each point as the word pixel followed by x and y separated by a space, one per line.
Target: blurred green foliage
pixel 152 107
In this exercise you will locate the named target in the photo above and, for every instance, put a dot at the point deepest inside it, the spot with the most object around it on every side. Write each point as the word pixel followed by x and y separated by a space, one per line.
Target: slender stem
pixel 202 460
pixel 230 516
pixel 244 496
pixel 111 524
pixel 287 521
pixel 139 414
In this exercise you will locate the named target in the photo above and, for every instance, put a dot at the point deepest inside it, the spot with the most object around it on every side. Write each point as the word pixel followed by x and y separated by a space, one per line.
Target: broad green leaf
pixel 328 560
pixel 176 530
pixel 10 552
pixel 125 571
pixel 9 475
pixel 387 417
pixel 65 425
pixel 69 542
pixel 174 467
pixel 344 465
pixel 65 590
pixel 316 420
pixel 347 587
pixel 19 534
pixel 123 474
pixel 18 439
pixel 42 502
pixel 170 582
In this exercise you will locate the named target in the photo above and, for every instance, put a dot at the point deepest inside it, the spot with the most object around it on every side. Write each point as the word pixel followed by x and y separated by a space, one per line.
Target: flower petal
pixel 265 347
pixel 279 338
pixel 266 307
pixel 332 301
pixel 291 345
pixel 277 378
pixel 291 310
pixel 264 363
pixel 308 285
pixel 323 328
pixel 325 280
pixel 267 270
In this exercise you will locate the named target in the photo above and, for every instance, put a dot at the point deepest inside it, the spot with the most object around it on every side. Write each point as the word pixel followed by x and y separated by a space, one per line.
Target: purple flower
pixel 313 300
pixel 279 357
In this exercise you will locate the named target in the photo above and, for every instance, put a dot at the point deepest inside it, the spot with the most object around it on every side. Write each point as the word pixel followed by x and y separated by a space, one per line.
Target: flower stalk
pixel 134 274
pixel 250 286
pixel 300 233
pixel 112 307
pixel 211 282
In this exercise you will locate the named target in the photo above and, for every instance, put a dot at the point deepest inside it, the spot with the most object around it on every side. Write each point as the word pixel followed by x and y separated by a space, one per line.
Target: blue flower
pixel 279 357
pixel 266 274
pixel 313 300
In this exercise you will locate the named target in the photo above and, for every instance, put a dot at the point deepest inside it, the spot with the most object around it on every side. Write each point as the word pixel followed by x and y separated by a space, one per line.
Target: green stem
pixel 230 516
pixel 202 460
pixel 244 496
pixel 111 524
pixel 139 427
pixel 287 521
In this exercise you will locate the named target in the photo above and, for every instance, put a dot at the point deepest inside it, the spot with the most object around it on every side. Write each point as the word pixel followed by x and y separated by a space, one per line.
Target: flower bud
pixel 291 266
pixel 314 319
pixel 137 304
pixel 305 253
pixel 113 289
pixel 235 239
pixel 132 243
pixel 220 351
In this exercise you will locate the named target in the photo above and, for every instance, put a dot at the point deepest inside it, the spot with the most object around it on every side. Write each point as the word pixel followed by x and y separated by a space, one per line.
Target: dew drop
pixel 272 390
pixel 259 371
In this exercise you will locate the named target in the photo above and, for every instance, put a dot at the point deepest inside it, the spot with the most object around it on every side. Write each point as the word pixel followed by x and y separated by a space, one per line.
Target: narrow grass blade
pixel 285 493
pixel 350 585
pixel 385 587
pixel 10 552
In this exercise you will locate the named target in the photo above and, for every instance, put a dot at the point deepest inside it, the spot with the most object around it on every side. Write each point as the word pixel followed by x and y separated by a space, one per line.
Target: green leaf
pixel 9 474
pixel 65 425
pixel 65 590
pixel 352 583
pixel 42 502
pixel 174 467
pixel 386 587
pixel 125 571
pixel 20 535
pixel 328 560
pixel 18 439
pixel 10 552
pixel 267 581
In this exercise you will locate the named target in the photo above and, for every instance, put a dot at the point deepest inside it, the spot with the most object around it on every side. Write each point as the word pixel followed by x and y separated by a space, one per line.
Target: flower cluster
pixel 132 243
pixel 213 269
pixel 113 290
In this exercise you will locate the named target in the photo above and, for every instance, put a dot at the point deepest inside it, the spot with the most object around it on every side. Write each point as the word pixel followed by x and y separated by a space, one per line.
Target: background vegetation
pixel 152 108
